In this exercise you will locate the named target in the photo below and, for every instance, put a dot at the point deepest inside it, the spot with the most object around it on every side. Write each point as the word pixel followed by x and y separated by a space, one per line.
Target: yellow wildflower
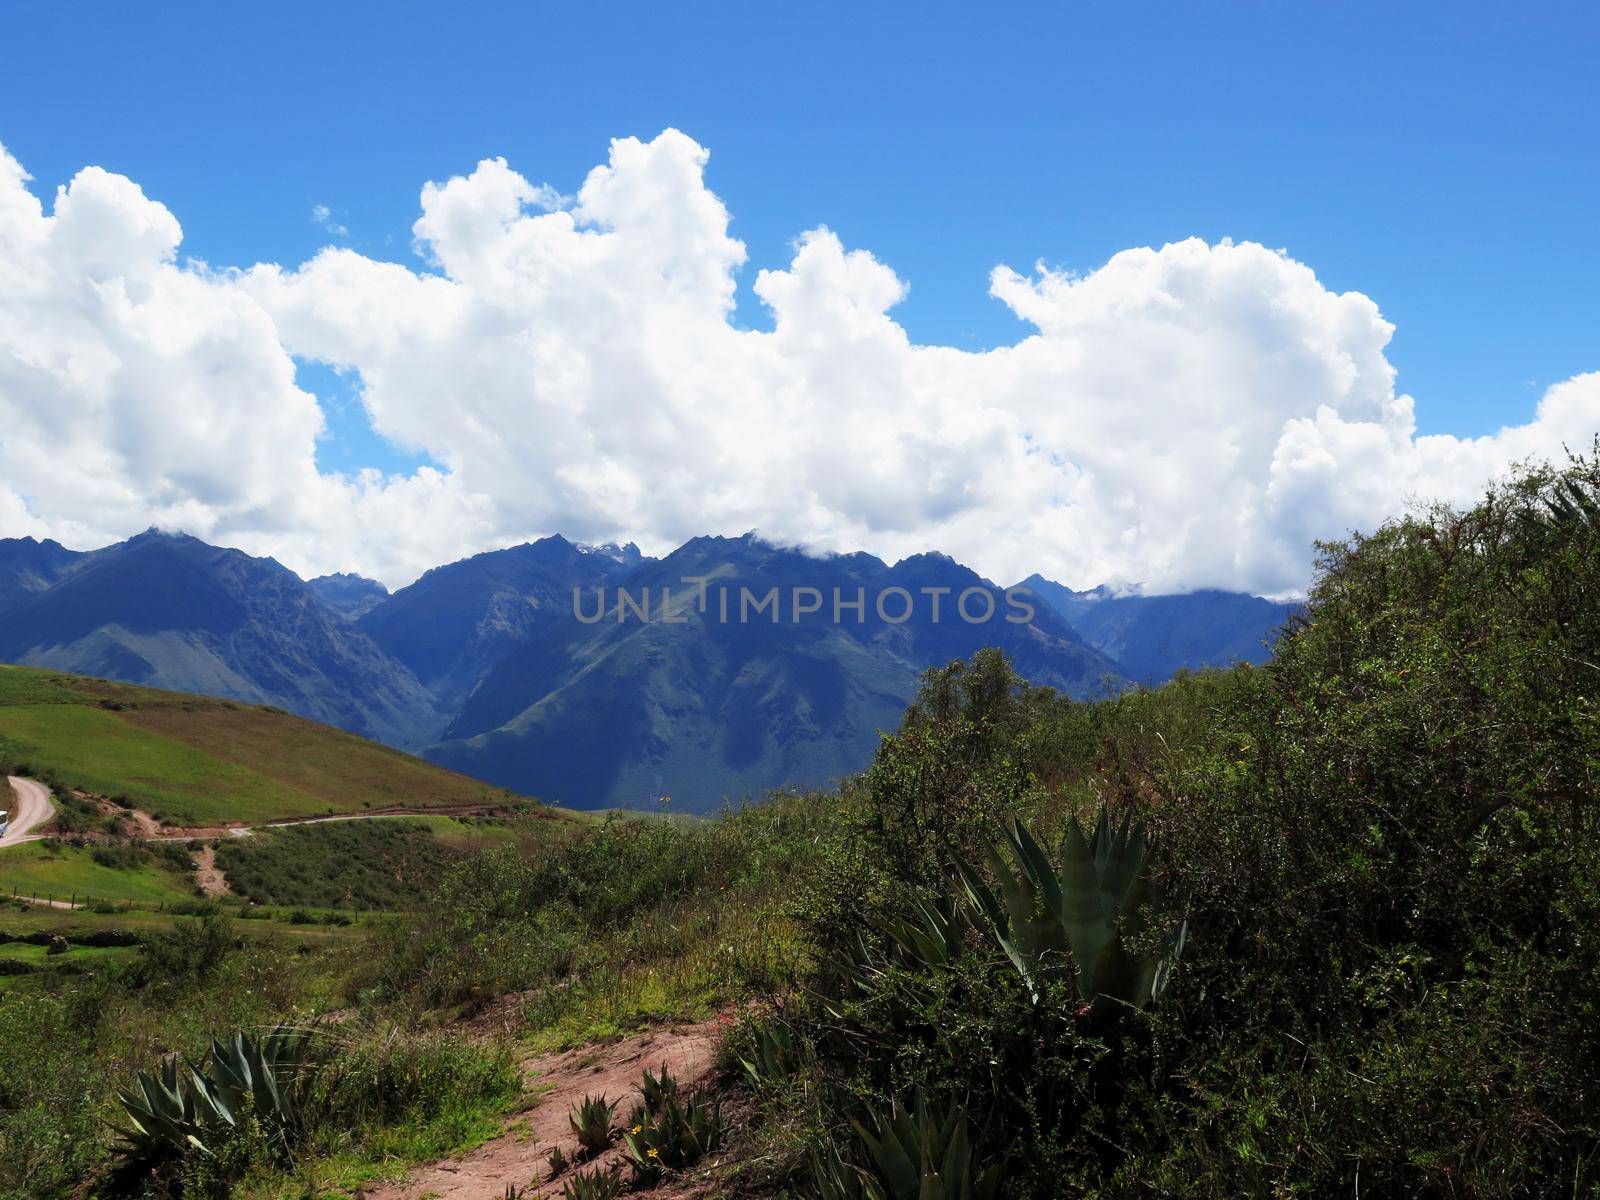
pixel 653 1152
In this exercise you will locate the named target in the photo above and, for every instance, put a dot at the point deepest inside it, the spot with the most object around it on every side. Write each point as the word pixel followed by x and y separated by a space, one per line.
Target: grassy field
pixel 476 833
pixel 193 760
pixel 75 924
pixel 49 869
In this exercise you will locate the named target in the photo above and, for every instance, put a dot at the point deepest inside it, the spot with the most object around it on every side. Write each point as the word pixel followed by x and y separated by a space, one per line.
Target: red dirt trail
pixel 520 1155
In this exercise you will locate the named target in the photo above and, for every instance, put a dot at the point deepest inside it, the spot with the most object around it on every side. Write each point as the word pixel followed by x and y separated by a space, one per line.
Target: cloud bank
pixel 1181 417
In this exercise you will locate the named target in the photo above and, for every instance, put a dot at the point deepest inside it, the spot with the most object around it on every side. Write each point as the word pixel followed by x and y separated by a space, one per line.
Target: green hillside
pixel 53 870
pixel 196 761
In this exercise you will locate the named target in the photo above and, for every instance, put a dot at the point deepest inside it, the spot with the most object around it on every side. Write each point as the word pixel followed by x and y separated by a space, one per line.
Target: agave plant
pixel 591 1121
pixel 558 1160
pixel 679 1135
pixel 1081 917
pixel 184 1108
pixel 919 1155
pixel 832 1178
pixel 263 1072
pixel 1572 506
pixel 594 1185
pixel 931 937
pixel 162 1115
pixel 657 1089
pixel 772 1054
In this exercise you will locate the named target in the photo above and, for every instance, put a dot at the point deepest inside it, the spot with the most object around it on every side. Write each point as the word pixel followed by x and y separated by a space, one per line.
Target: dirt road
pixel 31 808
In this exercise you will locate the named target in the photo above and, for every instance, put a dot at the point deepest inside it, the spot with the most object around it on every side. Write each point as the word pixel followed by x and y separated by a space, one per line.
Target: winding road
pixel 32 808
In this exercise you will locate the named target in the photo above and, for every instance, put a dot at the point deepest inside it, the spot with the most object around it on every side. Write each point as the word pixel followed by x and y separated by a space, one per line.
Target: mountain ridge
pixel 168 610
pixel 749 685
pixel 531 665
pixel 1153 637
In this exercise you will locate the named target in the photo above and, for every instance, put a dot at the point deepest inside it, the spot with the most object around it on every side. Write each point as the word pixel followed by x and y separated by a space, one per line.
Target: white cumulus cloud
pixel 1185 416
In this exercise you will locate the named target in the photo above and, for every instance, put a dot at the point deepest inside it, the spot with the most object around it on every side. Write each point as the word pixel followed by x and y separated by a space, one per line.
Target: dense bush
pixel 1384 844
pixel 127 855
pixel 336 864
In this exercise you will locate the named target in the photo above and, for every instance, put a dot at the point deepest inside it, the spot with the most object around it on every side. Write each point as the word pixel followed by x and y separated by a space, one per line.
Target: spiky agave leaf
pixel 834 1179
pixel 592 1122
pixel 1099 901
pixel 183 1106
pixel 1025 916
pixel 655 1089
pixel 773 1058
pixel 155 1114
pixel 259 1072
pixel 686 1128
pixel 931 937
pixel 919 1155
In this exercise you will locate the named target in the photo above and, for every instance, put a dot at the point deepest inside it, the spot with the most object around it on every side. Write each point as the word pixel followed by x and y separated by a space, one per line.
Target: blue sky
pixel 1192 416
pixel 1441 160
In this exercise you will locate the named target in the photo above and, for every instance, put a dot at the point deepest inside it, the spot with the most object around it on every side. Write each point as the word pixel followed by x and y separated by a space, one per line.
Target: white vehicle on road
pixel 33 809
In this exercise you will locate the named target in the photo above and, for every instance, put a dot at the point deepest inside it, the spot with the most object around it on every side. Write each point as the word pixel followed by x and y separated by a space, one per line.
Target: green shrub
pixel 336 864
pixel 191 951
pixel 390 1076
pixel 1385 840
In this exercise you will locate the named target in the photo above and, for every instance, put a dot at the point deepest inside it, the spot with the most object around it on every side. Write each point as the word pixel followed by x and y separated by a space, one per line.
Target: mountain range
pixel 597 676
pixel 1151 637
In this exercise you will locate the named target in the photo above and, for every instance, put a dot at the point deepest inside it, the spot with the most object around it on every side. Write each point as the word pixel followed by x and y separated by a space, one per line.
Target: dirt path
pixel 520 1156
pixel 147 828
pixel 32 809
pixel 208 875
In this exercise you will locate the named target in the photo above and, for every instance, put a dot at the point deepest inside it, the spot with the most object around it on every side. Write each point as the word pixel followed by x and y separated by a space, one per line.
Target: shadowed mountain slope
pixel 1154 636
pixel 458 622
pixel 734 697
pixel 169 611
pixel 350 596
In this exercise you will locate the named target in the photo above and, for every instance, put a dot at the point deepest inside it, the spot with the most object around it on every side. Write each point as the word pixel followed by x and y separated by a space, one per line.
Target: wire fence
pixel 91 903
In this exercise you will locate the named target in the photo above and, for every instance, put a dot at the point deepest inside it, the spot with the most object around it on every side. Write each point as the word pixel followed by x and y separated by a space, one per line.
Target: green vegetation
pixel 335 864
pixel 1081 918
pixel 592 1124
pixel 195 761
pixel 247 1086
pixel 675 1132
pixel 1336 921
pixel 609 925
pixel 371 1095
pixel 916 1154
pixel 53 868
pixel 1382 844
pixel 595 1184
